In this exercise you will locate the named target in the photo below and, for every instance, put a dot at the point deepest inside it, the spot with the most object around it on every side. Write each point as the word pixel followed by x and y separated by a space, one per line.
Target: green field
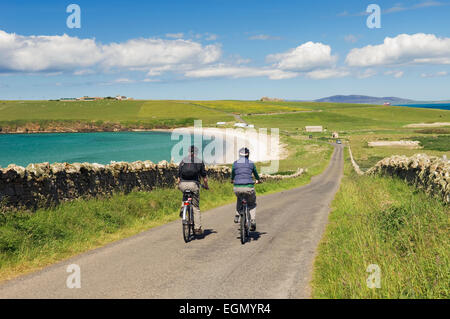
pixel 374 220
pixel 251 107
pixel 148 114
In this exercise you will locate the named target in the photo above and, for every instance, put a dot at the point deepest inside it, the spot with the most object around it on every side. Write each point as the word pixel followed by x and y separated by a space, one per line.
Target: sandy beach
pixel 225 143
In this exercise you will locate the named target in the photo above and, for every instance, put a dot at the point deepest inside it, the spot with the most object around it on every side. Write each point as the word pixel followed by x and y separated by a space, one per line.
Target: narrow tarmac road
pixel 277 263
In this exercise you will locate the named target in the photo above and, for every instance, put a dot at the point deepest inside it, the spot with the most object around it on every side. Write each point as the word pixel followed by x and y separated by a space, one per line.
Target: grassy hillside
pixel 128 113
pixel 251 107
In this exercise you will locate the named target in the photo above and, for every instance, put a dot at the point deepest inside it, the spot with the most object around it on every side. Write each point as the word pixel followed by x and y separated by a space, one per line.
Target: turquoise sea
pixel 440 106
pixel 102 148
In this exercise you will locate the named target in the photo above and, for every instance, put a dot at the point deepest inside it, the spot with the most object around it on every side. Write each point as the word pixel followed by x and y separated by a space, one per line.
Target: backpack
pixel 189 172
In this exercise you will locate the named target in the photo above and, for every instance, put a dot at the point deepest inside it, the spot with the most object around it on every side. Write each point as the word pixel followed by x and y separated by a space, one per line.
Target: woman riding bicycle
pixel 244 185
pixel 190 171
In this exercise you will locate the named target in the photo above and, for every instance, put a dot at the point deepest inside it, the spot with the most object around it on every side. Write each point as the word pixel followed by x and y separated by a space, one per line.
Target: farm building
pixel 317 129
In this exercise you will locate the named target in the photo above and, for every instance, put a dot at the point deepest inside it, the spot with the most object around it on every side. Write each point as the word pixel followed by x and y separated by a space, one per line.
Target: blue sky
pixel 224 49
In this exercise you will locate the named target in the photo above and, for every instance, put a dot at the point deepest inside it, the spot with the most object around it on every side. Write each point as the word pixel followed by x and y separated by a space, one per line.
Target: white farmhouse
pixel 314 129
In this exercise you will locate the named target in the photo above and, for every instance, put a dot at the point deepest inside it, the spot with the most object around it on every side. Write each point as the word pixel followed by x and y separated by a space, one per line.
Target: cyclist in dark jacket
pixel 191 170
pixel 244 185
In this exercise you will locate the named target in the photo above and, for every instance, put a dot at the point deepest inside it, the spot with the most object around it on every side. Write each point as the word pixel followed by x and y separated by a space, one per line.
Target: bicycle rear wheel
pixel 187 228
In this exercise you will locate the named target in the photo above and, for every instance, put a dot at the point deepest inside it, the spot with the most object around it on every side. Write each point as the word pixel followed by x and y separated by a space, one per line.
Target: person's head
pixel 244 152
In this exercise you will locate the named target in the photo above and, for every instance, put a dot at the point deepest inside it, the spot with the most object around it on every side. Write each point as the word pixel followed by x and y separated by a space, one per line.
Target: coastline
pixel 264 148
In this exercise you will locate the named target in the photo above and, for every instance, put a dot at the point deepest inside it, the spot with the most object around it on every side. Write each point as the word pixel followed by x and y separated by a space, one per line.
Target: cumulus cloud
pixel 46 53
pixel 306 57
pixel 327 74
pixel 418 48
pixel 155 52
pixel 64 53
pixel 395 73
pixel 239 72
pixel 367 73
pixel 426 4
pixel 263 37
pixel 434 75
pixel 211 37
pixel 175 35
pixel 313 60
pixel 399 7
pixel 351 38
pixel 83 72
pixel 123 81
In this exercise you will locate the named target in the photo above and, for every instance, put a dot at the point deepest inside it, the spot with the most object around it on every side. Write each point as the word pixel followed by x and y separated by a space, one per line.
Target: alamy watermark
pixel 74 19
pixel 374 19
pixel 374 279
pixel 221 146
pixel 74 279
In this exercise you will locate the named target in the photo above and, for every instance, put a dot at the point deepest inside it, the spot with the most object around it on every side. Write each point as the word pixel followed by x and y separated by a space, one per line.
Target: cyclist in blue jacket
pixel 244 185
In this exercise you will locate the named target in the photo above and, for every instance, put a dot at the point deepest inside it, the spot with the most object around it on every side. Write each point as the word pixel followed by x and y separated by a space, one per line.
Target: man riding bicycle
pixel 244 185
pixel 190 171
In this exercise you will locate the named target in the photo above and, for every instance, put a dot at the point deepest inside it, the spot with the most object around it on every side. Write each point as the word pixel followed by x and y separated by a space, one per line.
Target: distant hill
pixel 363 99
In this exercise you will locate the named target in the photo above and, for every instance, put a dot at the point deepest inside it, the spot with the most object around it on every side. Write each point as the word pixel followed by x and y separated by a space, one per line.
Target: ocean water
pixel 440 106
pixel 101 148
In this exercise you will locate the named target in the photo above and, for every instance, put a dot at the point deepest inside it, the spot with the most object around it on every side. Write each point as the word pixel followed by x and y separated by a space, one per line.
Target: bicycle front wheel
pixel 243 229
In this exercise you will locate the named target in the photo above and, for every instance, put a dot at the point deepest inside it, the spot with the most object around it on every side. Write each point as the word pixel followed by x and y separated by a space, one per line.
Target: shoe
pixel 236 219
pixel 253 226
pixel 198 232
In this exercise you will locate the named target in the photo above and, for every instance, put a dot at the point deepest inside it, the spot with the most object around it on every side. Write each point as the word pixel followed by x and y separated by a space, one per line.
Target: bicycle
pixel 245 219
pixel 187 216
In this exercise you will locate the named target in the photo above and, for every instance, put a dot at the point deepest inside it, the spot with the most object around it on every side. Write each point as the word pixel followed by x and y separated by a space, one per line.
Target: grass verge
pixel 383 221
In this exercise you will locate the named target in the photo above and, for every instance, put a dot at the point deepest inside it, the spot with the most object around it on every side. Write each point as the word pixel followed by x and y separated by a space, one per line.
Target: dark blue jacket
pixel 243 171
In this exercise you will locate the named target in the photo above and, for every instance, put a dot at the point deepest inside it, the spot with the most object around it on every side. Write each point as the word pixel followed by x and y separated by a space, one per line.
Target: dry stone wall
pixel 430 173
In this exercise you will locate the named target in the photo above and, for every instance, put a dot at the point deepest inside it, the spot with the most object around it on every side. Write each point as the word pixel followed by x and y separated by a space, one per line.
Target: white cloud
pixel 46 53
pixel 263 37
pixel 399 7
pixel 426 4
pixel 211 37
pixel 156 52
pixel 367 73
pixel 150 80
pixel 239 72
pixel 351 38
pixel 83 72
pixel 31 54
pixel 418 48
pixel 123 81
pixel 306 57
pixel 327 74
pixel 175 35
pixel 434 75
pixel 395 73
